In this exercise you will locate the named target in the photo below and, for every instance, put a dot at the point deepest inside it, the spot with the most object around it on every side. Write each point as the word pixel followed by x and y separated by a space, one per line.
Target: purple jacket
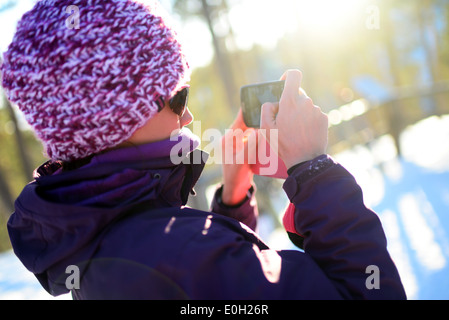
pixel 121 221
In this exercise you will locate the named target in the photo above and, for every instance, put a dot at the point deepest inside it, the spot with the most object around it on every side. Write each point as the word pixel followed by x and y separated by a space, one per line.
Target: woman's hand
pixel 302 127
pixel 236 151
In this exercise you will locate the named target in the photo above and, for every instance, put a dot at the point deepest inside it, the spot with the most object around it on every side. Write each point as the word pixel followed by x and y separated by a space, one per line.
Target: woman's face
pixel 161 126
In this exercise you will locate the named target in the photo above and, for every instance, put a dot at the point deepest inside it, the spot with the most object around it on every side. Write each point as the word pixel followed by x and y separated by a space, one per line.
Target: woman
pixel 105 99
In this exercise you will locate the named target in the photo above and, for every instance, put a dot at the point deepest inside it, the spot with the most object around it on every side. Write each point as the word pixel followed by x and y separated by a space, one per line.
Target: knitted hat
pixel 88 89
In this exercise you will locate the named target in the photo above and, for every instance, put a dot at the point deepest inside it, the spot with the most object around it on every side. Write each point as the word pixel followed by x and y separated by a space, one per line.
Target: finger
pixel 293 79
pixel 302 92
pixel 268 115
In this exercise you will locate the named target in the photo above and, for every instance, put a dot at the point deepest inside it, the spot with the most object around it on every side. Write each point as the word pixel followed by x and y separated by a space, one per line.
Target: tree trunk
pixel 223 65
pixel 5 197
pixel 395 117
pixel 20 142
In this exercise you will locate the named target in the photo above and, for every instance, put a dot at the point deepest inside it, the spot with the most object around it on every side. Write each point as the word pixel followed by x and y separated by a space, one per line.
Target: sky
pixel 264 22
pixel 260 22
pixel 9 20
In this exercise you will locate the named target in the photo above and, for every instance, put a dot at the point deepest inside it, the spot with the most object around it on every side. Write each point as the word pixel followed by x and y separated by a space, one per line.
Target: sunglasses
pixel 178 103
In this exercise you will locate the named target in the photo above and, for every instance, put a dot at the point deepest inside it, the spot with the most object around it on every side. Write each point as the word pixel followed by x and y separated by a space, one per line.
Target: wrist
pixel 294 161
pixel 234 203
pixel 298 175
pixel 233 195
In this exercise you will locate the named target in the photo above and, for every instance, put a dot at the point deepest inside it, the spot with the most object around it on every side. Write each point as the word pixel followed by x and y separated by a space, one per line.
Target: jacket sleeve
pixel 245 212
pixel 340 234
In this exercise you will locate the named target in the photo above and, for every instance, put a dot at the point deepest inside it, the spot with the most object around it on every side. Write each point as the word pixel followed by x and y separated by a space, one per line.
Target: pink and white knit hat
pixel 89 89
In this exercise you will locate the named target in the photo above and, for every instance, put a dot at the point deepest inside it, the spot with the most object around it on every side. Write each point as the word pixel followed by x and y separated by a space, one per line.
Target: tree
pixel 6 197
pixel 24 160
pixel 209 12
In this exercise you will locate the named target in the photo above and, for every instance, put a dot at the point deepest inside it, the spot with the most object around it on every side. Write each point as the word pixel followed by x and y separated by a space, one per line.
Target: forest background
pixel 375 67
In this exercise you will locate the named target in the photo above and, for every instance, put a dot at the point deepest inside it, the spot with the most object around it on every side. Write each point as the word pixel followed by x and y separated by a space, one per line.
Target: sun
pixel 329 17
pixel 266 21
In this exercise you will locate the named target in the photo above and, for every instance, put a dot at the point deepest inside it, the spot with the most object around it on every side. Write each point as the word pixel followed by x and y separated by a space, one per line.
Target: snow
pixel 17 283
pixel 410 195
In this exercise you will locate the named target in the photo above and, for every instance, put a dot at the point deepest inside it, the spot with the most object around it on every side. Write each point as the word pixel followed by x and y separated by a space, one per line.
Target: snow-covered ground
pixel 17 283
pixel 411 196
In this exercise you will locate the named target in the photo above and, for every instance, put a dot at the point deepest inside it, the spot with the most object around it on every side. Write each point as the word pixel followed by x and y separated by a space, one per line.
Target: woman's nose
pixel 186 118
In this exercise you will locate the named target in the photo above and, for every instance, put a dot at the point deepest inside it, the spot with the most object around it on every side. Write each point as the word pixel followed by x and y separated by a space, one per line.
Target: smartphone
pixel 253 96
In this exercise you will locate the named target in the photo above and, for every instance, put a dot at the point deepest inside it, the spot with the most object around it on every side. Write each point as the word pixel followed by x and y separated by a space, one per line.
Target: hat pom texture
pixel 89 89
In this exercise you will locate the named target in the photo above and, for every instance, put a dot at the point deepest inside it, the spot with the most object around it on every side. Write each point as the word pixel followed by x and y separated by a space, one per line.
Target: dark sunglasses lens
pixel 179 102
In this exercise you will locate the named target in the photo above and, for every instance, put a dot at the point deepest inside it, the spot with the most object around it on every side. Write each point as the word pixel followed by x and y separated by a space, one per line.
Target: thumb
pixel 268 115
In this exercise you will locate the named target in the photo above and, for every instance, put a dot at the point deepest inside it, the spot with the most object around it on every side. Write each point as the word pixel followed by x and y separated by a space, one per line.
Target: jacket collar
pixel 160 174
